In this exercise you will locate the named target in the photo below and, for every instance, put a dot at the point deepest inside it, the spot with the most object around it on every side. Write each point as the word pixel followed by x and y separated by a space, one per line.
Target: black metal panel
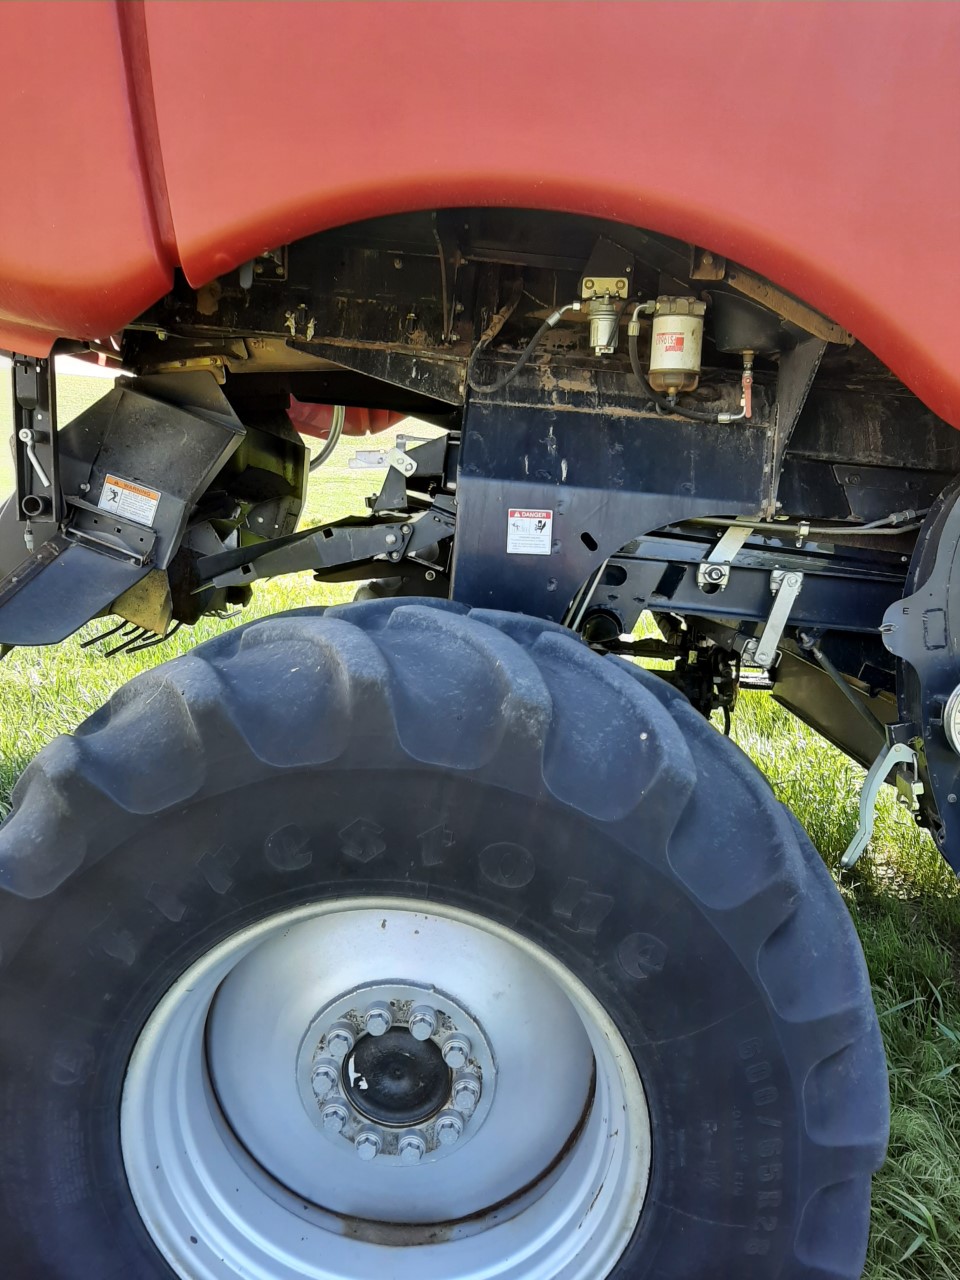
pixel 804 688
pixel 435 375
pixel 609 472
pixel 873 493
pixel 39 499
pixel 821 490
pixel 798 368
pixel 810 489
pixel 861 424
pixel 58 588
pixel 172 447
pixel 923 630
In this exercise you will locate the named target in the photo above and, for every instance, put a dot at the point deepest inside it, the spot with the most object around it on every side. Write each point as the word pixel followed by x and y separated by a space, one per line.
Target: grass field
pixel 903 900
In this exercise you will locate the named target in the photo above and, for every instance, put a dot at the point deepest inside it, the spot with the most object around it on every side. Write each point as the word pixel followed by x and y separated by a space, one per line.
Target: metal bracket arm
pixel 898 753
pixel 328 547
pixel 787 588
pixel 713 573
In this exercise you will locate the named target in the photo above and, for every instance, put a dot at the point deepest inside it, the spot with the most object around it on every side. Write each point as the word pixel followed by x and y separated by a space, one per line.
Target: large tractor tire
pixel 405 941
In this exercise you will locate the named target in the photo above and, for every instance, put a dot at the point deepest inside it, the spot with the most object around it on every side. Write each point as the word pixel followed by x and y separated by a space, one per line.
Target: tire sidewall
pixel 94 962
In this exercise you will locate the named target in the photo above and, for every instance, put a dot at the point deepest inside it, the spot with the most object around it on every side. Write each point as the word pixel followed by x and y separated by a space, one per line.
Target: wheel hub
pixel 392 1068
pixel 252 1148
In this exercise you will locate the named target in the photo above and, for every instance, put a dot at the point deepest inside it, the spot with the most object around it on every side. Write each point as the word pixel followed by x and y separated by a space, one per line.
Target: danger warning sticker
pixel 529 533
pixel 132 501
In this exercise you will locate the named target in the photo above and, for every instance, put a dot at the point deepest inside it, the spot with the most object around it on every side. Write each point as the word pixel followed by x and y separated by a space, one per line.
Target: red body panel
pixel 818 144
pixel 315 419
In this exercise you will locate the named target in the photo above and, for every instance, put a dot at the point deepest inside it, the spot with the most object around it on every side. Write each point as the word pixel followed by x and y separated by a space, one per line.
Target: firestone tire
pixel 474 761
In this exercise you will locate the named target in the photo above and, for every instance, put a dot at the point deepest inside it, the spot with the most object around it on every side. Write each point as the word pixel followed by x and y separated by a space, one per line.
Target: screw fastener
pixel 367 1144
pixel 378 1019
pixel 324 1078
pixel 340 1040
pixel 466 1094
pixel 449 1129
pixel 423 1022
pixel 456 1052
pixel 334 1117
pixel 411 1149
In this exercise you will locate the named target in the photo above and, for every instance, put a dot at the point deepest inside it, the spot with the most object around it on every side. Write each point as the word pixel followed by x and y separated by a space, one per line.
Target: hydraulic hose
pixel 663 403
pixel 909 522
pixel 491 332
pixel 332 440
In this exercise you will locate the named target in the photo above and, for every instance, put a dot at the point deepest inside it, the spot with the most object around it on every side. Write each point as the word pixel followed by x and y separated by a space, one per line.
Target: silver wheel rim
pixel 233 1174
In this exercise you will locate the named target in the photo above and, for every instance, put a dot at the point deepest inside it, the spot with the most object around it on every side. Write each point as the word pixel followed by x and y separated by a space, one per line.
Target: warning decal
pixel 529 533
pixel 132 501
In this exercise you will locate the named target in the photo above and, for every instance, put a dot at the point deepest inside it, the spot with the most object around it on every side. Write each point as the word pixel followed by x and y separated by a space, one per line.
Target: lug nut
pixel 449 1129
pixel 378 1019
pixel 456 1052
pixel 423 1022
pixel 466 1094
pixel 367 1144
pixel 334 1117
pixel 324 1078
pixel 411 1149
pixel 340 1040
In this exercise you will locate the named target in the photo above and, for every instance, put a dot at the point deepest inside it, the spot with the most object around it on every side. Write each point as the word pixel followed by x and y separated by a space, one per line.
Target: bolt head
pixel 449 1129
pixel 340 1041
pixel 378 1019
pixel 456 1052
pixel 466 1095
pixel 423 1022
pixel 411 1149
pixel 324 1078
pixel 333 1117
pixel 367 1145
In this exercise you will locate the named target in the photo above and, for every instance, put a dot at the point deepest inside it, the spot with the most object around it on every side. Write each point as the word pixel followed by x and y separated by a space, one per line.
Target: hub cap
pixel 291 1107
pixel 396 1080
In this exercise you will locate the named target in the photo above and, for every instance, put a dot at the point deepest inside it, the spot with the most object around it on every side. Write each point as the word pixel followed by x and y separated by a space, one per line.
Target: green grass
pixel 903 899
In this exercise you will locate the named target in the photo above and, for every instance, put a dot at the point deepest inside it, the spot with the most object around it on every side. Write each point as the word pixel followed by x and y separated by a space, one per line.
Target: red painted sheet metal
pixel 79 251
pixel 315 419
pixel 817 143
